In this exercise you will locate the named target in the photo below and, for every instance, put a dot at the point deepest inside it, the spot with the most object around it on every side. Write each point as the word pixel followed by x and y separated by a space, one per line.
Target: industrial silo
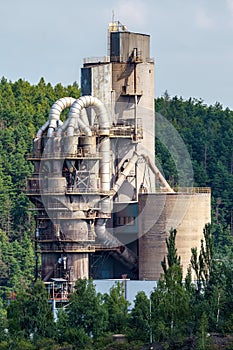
pixel 187 211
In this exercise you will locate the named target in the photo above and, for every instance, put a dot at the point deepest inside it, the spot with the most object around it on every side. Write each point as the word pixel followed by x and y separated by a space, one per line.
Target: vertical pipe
pixel 135 117
pixel 42 129
pixel 135 78
pixel 36 255
pixel 150 325
pixel 104 150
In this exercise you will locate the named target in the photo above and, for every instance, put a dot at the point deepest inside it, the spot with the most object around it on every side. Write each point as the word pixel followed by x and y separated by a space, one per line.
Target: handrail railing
pixel 64 155
pixel 178 190
pixel 59 191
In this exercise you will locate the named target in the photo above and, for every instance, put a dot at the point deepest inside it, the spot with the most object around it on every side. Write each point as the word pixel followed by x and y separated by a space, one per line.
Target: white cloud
pixel 132 13
pixel 230 5
pixel 204 21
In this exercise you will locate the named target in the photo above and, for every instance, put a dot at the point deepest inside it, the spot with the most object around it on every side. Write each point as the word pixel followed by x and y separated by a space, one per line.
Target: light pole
pixel 151 347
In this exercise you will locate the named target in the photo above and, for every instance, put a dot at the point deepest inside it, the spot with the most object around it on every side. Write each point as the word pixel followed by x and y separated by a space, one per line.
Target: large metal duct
pixel 83 117
pixel 158 174
pixel 54 115
pixel 84 102
pixel 55 112
pixel 123 175
pixel 42 129
pixel 76 118
pixel 126 256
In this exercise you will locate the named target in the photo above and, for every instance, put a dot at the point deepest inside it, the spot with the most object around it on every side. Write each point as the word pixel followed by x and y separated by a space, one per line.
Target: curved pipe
pixel 76 122
pixel 75 112
pixel 41 130
pixel 55 112
pixel 83 117
pixel 125 256
pixel 76 117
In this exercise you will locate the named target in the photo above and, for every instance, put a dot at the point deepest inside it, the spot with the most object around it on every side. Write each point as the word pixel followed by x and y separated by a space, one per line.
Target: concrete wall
pixel 158 213
pixel 106 81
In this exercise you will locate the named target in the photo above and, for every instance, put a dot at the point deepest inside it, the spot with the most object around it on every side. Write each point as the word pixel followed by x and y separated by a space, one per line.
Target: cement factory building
pixel 104 209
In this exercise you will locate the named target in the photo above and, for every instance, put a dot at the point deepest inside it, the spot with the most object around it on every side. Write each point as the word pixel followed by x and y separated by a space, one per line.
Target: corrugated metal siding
pixel 86 81
pixel 115 47
pixel 122 45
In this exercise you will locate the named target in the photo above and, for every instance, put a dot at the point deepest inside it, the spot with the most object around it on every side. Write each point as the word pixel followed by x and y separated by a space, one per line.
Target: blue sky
pixel 191 41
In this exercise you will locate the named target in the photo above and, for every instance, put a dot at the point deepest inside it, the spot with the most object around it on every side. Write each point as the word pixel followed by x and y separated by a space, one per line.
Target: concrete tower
pixel 124 82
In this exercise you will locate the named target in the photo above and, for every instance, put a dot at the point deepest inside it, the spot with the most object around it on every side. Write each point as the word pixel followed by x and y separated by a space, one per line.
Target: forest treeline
pixel 207 132
pixel 176 315
pixel 24 108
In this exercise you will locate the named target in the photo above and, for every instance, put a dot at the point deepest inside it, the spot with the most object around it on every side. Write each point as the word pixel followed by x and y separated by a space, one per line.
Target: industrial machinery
pixel 95 184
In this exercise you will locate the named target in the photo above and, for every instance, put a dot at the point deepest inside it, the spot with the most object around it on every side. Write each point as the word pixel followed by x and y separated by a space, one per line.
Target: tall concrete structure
pixel 187 211
pixel 95 179
pixel 124 82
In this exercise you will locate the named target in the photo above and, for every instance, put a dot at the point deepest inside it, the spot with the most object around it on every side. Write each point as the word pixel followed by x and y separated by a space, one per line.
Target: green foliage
pixel 30 314
pixel 172 258
pixel 202 263
pixel 202 333
pixel 61 326
pixel 139 319
pixel 170 299
pixel 207 132
pixel 3 322
pixel 223 240
pixel 117 307
pixel 24 108
pixel 16 260
pixel 214 293
pixel 18 344
pixel 227 308
pixel 170 307
pixel 85 316
pixel 176 307
pixel 77 337
pixel 41 313
pixel 19 322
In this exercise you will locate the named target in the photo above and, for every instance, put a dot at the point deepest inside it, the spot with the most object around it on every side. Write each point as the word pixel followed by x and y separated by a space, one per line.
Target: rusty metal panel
pixel 122 45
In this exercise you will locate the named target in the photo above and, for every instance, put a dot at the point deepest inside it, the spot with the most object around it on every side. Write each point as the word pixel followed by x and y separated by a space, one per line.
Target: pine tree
pixel 170 299
pixel 117 307
pixel 202 336
pixel 139 319
pixel 30 315
pixel 171 258
pixel 86 311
